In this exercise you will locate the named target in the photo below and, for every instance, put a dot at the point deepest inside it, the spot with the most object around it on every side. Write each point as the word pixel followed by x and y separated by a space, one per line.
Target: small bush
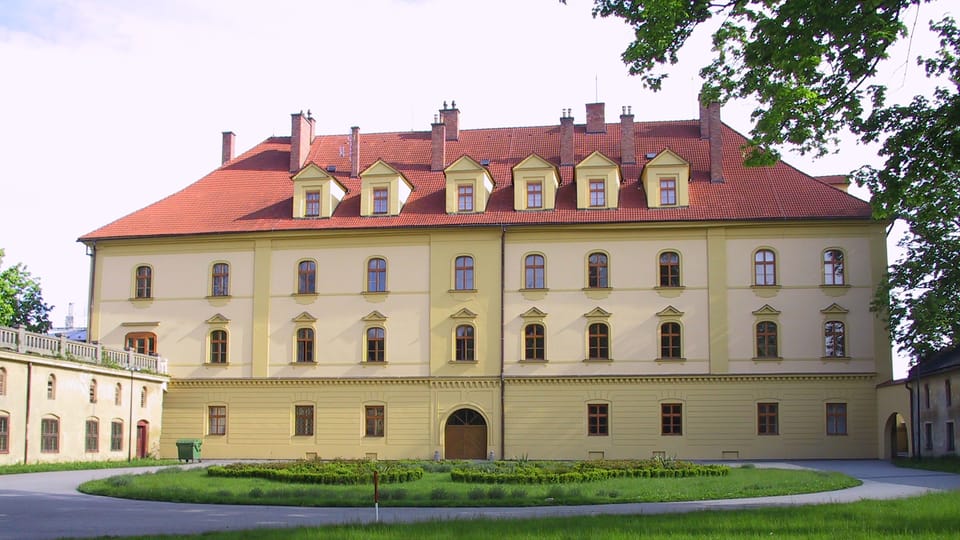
pixel 613 494
pixel 475 494
pixel 439 494
pixel 555 492
pixel 518 493
pixel 224 493
pixel 256 493
pixel 123 480
pixel 167 470
pixel 496 493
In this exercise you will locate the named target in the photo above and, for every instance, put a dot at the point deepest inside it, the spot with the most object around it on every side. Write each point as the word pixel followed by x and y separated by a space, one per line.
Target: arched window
pixel 376 275
pixel 670 340
pixel 142 342
pixel 833 271
pixel 93 391
pixel 3 381
pixel 92 436
pixel 52 387
pixel 767 339
pixel 307 277
pixel 376 344
pixel 597 271
pixel 534 342
pixel 144 286
pixel 218 347
pixel 463 273
pixel 221 280
pixel 533 272
pixel 305 340
pixel 834 339
pixel 598 342
pixel 465 347
pixel 765 267
pixel 669 269
pixel 143 396
pixel 118 394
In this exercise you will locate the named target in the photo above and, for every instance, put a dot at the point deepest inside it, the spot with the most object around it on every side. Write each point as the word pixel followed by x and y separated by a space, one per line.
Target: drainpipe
pixel 912 422
pixel 92 252
pixel 26 417
pixel 503 429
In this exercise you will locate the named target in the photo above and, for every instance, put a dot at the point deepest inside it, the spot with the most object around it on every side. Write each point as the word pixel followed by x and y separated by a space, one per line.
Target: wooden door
pixel 465 436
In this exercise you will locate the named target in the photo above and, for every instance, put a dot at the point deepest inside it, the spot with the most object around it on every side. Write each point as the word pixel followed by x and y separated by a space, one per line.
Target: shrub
pixel 123 480
pixel 256 493
pixel 322 472
pixel 439 494
pixel 475 494
pixel 496 493
pixel 551 472
pixel 518 493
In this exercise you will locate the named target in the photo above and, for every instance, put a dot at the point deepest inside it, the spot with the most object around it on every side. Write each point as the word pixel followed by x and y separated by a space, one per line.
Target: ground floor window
pixel 375 421
pixel 598 419
pixel 671 419
pixel 4 434
pixel 303 425
pixel 92 437
pixel 768 418
pixel 217 416
pixel 116 436
pixel 928 436
pixel 50 435
pixel 951 438
pixel 836 418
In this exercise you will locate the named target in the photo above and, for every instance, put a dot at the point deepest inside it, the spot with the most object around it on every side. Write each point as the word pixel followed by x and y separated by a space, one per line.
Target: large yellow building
pixel 565 291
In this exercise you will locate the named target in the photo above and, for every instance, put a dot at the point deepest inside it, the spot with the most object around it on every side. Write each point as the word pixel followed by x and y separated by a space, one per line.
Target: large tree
pixel 809 64
pixel 21 301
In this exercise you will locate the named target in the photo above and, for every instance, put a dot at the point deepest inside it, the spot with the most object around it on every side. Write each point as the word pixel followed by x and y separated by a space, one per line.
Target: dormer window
pixel 383 190
pixel 535 194
pixel 598 182
pixel 535 183
pixel 316 194
pixel 468 186
pixel 665 179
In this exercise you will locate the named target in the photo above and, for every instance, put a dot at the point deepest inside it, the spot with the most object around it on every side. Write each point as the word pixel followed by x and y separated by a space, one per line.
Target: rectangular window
pixel 4 434
pixel 767 419
pixel 534 194
pixel 836 418
pixel 951 438
pixel 374 421
pixel 221 280
pixel 947 393
pixel 313 204
pixel 597 193
pixel 598 419
pixel 668 191
pixel 217 415
pixel 144 284
pixel 465 198
pixel 116 436
pixel 928 436
pixel 926 396
pixel 303 425
pixel 380 198
pixel 92 438
pixel 142 342
pixel 671 419
pixel 50 435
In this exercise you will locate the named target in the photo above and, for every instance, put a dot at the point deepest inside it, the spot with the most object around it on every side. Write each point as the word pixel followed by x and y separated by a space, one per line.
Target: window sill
pixel 462 291
pixel 663 288
pixel 671 434
pixel 767 359
pixel 598 360
pixel 835 358
pixel 218 297
pixel 533 361
pixel 374 363
pixel 835 285
pixel 303 363
pixel 216 364
pixel 533 290
pixel 774 287
pixel 836 434
pixel 462 362
pixel 375 293
pixel 374 437
pixel 216 435
pixel 670 360
pixel 145 299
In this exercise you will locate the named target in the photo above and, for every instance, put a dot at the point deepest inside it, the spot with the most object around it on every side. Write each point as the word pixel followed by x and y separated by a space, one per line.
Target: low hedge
pixel 538 472
pixel 321 472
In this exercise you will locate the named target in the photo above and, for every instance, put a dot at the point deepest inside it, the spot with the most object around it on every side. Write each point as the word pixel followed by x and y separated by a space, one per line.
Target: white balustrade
pixel 20 340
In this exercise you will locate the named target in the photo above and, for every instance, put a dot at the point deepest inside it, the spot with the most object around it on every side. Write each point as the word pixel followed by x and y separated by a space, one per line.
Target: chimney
pixel 628 150
pixel 714 126
pixel 301 135
pixel 229 140
pixel 596 121
pixel 704 120
pixel 354 152
pixel 451 118
pixel 566 138
pixel 438 145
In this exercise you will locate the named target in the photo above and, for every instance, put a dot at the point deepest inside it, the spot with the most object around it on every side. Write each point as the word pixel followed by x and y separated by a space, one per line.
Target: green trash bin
pixel 188 450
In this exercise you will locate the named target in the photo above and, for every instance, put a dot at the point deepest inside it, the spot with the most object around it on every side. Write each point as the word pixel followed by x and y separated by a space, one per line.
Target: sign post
pixel 376 494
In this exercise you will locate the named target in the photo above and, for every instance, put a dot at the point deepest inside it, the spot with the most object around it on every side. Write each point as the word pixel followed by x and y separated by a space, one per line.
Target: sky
pixel 107 106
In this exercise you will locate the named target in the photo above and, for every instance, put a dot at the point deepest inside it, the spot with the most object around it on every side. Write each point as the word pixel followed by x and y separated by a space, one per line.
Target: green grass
pixel 82 465
pixel 436 489
pixel 950 464
pixel 920 518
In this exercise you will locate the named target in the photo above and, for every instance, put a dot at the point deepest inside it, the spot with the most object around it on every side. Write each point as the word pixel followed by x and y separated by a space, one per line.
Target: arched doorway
pixel 896 438
pixel 143 443
pixel 465 435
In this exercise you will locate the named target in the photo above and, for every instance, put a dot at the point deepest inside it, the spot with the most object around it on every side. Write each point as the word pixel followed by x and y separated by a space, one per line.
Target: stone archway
pixel 896 438
pixel 465 435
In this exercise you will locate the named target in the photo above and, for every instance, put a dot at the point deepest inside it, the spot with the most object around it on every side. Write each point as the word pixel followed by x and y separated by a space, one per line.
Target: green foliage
pixel 21 301
pixel 562 472
pixel 321 472
pixel 20 468
pixel 950 464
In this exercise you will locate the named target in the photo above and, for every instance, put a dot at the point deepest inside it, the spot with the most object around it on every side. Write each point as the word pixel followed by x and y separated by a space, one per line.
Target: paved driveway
pixel 47 505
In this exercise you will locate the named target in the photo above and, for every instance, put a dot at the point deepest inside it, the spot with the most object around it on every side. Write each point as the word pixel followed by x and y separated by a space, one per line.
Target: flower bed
pixel 322 472
pixel 558 472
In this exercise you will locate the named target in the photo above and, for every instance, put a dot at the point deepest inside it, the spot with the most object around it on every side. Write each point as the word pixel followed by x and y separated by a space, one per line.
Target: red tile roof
pixel 254 191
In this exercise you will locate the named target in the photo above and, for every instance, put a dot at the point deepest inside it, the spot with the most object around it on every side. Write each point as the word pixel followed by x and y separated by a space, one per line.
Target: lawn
pixel 82 465
pixel 437 490
pixel 950 464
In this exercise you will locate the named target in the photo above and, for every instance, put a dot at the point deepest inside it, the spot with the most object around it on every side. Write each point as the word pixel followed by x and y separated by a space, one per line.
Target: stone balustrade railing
pixel 18 339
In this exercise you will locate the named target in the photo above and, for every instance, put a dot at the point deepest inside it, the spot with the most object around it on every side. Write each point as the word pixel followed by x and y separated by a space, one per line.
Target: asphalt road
pixel 47 505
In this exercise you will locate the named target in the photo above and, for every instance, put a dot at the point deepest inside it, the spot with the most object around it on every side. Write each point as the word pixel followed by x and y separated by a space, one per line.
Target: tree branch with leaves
pixel 21 301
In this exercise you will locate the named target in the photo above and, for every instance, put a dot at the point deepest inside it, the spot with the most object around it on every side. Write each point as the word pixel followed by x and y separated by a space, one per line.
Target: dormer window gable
pixel 468 186
pixel 598 182
pixel 535 183
pixel 383 190
pixel 666 180
pixel 316 194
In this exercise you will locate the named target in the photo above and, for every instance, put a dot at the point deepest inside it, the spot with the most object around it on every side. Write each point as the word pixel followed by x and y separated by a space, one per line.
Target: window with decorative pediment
pixel 670 334
pixel 304 345
pixel 766 331
pixel 666 180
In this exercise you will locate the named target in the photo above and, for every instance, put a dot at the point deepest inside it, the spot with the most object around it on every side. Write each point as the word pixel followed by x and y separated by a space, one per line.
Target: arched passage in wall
pixel 896 437
pixel 465 435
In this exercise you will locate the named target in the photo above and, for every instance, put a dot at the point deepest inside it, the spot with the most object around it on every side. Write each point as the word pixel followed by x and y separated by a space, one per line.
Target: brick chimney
pixel 229 141
pixel 301 135
pixel 628 149
pixel 438 145
pixel 596 120
pixel 566 138
pixel 354 152
pixel 710 125
pixel 451 118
